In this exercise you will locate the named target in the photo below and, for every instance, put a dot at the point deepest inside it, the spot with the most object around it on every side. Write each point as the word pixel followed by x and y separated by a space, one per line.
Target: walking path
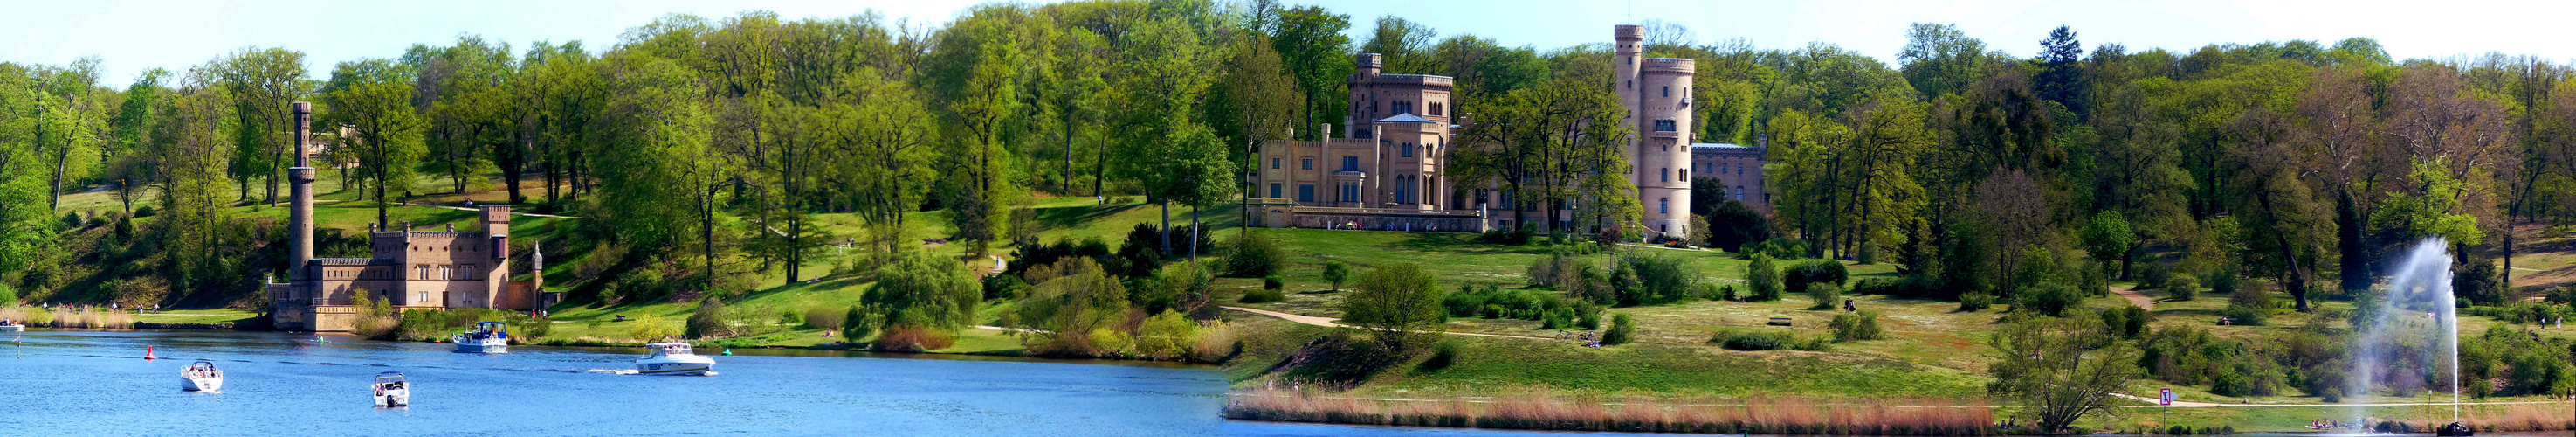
pixel 1329 322
pixel 460 208
pixel 2188 404
pixel 2135 297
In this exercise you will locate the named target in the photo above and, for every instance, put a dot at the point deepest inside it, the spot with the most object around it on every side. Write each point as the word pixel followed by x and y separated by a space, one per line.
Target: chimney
pixel 300 213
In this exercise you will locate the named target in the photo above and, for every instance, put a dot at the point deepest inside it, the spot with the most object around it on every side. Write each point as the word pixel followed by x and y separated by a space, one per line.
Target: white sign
pixel 2165 398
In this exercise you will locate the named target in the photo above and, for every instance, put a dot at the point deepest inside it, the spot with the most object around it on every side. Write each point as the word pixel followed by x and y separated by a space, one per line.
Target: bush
pixel 1857 326
pixel 1827 296
pixel 1975 301
pixel 2237 315
pixel 2133 321
pixel 857 324
pixel 828 318
pixel 8 296
pixel 709 320
pixel 1818 271
pixel 1762 278
pixel 144 211
pixel 1723 293
pixel 1266 295
pixel 912 339
pixel 1251 255
pixel 2155 275
pixel 1623 329
pixel 2182 287
pixel 2051 299
pixel 1661 278
pixel 1587 316
pixel 1748 340
pixel 1274 282
pixel 2221 282
pixel 1442 356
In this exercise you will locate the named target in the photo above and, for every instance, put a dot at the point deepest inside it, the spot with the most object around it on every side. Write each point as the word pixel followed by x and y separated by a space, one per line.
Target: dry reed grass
pixel 1541 409
pixel 2525 417
pixel 65 317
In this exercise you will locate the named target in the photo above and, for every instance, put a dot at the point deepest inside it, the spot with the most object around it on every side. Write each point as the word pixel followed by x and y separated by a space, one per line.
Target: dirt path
pixel 2135 297
pixel 1327 321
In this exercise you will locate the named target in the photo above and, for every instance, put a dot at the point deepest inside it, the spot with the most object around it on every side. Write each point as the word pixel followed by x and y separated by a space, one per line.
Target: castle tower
pixel 300 215
pixel 1657 93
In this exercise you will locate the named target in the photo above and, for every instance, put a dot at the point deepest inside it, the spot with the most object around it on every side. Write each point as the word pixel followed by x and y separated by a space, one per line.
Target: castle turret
pixel 1656 92
pixel 300 216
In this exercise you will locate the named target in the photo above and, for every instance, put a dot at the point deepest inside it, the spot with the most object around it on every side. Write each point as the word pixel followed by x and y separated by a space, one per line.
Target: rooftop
pixel 1406 118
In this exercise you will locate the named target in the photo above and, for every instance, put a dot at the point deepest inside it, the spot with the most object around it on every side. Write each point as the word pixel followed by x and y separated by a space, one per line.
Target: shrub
pixel 1661 278
pixel 1464 303
pixel 709 320
pixel 1273 282
pixel 2221 282
pixel 650 328
pixel 1623 329
pixel 2134 322
pixel 1748 340
pixel 144 211
pixel 912 339
pixel 821 317
pixel 1818 271
pixel 1266 295
pixel 1442 356
pixel 2051 299
pixel 856 324
pixel 1005 287
pixel 2155 275
pixel 1587 316
pixel 1252 254
pixel 1857 326
pixel 1827 296
pixel 2238 315
pixel 8 296
pixel 2182 287
pixel 1762 278
pixel 1723 293
pixel 1975 301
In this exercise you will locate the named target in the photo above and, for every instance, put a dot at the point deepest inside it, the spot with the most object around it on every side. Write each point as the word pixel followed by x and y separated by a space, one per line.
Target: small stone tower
pixel 300 215
pixel 1657 93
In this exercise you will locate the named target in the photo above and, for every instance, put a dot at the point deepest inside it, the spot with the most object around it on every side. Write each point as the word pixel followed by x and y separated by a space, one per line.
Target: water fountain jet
pixel 2419 282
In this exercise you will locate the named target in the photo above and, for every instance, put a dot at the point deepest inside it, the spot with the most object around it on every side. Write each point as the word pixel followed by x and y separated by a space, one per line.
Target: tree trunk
pixel 1167 227
pixel 2356 270
pixel 1194 234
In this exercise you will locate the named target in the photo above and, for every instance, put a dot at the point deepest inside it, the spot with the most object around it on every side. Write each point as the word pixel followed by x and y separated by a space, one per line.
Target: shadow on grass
pixel 1075 216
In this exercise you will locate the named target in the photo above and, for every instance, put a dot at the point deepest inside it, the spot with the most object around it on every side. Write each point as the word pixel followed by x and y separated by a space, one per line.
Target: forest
pixel 701 150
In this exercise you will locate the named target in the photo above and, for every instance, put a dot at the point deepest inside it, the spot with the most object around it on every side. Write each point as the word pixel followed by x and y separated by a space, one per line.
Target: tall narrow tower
pixel 300 217
pixel 1656 92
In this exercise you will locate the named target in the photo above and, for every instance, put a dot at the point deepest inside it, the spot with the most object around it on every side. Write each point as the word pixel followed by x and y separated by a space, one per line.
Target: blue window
pixel 1665 126
pixel 1350 163
pixel 1350 193
pixel 1305 192
pixel 1274 191
pixel 1274 163
pixel 1663 206
pixel 1306 164
pixel 1405 150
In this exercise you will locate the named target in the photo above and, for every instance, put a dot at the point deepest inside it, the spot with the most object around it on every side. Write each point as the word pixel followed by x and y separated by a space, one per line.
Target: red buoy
pixel 147 353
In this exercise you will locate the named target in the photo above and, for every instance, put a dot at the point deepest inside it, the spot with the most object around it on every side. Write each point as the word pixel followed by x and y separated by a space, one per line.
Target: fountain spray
pixel 2419 282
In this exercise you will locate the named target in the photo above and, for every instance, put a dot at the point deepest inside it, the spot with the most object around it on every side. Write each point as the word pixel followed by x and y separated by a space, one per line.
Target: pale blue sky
pixel 132 35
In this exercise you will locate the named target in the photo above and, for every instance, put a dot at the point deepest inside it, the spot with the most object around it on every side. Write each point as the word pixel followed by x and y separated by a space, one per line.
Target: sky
pixel 130 36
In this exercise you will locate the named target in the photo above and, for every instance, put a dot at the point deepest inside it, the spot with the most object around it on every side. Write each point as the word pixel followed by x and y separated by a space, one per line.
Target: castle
pixel 408 269
pixel 1388 170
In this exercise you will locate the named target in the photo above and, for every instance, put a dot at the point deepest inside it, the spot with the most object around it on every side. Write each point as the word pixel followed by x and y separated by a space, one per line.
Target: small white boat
pixel 487 338
pixel 202 376
pixel 392 390
pixel 11 326
pixel 673 358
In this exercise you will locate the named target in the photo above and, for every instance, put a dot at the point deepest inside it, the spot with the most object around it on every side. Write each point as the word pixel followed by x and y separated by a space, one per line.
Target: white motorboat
pixel 202 376
pixel 673 358
pixel 487 338
pixel 392 390
pixel 13 328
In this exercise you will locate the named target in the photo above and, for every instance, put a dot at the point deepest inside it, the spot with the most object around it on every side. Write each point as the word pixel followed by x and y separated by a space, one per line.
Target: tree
pixel 2108 237
pixel 973 76
pixel 1733 225
pixel 1404 45
pixel 373 98
pixel 2061 76
pixel 2060 369
pixel 1399 303
pixel 925 291
pixel 1938 59
pixel 263 83
pixel 1311 43
pixel 1336 272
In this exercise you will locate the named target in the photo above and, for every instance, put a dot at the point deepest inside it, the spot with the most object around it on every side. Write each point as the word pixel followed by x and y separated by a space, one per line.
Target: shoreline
pixel 582 343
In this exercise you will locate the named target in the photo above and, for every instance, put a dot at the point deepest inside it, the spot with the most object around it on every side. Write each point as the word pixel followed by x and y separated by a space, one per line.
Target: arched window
pixel 1663 206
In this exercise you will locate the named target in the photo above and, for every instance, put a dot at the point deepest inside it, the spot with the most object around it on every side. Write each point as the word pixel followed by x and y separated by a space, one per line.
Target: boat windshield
pixel 676 349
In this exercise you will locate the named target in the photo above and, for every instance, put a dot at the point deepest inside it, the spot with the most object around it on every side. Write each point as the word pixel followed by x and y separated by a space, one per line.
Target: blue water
pixel 95 383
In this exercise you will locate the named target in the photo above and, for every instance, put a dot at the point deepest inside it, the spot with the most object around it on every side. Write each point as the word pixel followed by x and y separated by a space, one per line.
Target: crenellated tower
pixel 1657 94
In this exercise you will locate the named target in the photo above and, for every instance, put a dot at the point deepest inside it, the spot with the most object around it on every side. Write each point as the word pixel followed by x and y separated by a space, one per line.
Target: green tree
pixel 1938 59
pixel 1336 272
pixel 925 291
pixel 1399 303
pixel 374 99
pixel 263 83
pixel 1311 44
pixel 2108 237
pixel 2060 369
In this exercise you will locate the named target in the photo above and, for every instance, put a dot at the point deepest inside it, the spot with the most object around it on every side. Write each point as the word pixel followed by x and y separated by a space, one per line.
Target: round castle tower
pixel 1657 93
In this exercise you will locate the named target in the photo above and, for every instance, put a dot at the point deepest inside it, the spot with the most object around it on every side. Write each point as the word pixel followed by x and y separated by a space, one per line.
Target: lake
pixel 96 383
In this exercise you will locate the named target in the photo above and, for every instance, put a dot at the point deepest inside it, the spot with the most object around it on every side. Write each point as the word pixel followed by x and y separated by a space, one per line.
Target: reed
pixel 65 317
pixel 1541 409
pixel 2524 417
